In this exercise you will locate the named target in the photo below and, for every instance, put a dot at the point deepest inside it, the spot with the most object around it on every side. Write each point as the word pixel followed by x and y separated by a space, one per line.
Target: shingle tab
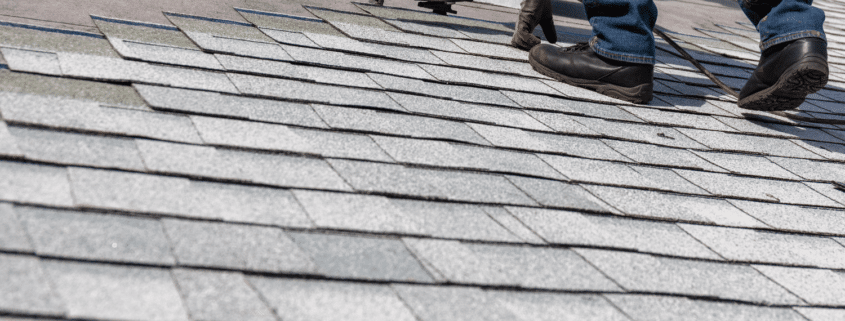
pixel 103 68
pixel 182 197
pixel 87 116
pixel 462 93
pixel 444 303
pixel 659 155
pixel 581 93
pixel 97 291
pixel 211 103
pixel 77 149
pixel 396 38
pixel 512 224
pixel 8 146
pixel 436 153
pixel 397 179
pixel 559 306
pixel 361 257
pixel 756 188
pixel 486 79
pixel 747 164
pixel 656 116
pixel 816 286
pixel 795 218
pixel 398 124
pixel 559 194
pixel 767 247
pixel 40 62
pixel 357 212
pixel 12 234
pixel 543 142
pixel 488 64
pixel 812 170
pixel 24 88
pixel 297 90
pixel 287 70
pixel 665 136
pixel 643 272
pixel 467 111
pixel 530 267
pixel 219 296
pixel 666 308
pixel 236 46
pixel 821 314
pixel 294 299
pixel 747 143
pixel 359 63
pixel 562 123
pixel 26 289
pixel 96 236
pixel 455 221
pixel 657 205
pixel 491 50
pixel 273 169
pixel 166 54
pixel 30 183
pixel 572 228
pixel 557 104
pixel 251 248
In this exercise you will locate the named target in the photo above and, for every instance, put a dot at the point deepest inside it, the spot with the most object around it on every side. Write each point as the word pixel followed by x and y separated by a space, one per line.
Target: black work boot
pixel 580 66
pixel 787 73
pixel 531 14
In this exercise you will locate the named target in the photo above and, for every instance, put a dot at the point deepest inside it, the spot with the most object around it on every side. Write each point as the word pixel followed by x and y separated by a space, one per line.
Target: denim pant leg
pixel 779 21
pixel 622 29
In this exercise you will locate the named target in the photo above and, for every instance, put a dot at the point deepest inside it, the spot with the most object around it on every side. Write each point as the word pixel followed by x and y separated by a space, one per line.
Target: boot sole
pixel 791 88
pixel 639 94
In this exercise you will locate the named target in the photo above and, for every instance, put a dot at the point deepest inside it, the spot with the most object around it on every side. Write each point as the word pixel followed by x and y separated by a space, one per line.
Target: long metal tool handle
pixel 731 92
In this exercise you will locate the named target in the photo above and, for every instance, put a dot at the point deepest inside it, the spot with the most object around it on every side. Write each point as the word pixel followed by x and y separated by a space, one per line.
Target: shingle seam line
pixel 135 23
pixel 281 15
pixel 53 30
pixel 231 22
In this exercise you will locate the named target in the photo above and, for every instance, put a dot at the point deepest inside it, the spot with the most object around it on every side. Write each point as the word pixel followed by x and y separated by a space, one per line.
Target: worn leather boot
pixel 580 66
pixel 787 73
pixel 533 13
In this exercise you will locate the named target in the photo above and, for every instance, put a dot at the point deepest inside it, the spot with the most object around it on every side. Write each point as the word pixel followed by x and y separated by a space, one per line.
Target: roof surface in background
pixel 383 163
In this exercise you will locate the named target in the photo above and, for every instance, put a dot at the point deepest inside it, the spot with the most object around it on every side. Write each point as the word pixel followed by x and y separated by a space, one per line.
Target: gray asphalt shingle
pixel 456 92
pixel 397 124
pixel 467 111
pixel 529 267
pixel 452 185
pixel 815 286
pixel 756 188
pixel 486 79
pixel 821 314
pixel 32 61
pixel 13 237
pixel 559 194
pixel 211 103
pixel 747 165
pixel 7 142
pixel 572 228
pixel 97 237
pixel 667 308
pixel 656 116
pixel 549 143
pixel 512 224
pixel 244 47
pixel 294 299
pixel 251 248
pixel 795 218
pixel 455 221
pixel 77 149
pixel 96 291
pixel 282 69
pixel 357 212
pixel 218 296
pixel 812 170
pixel 747 143
pixel 88 116
pixel 657 205
pixel 26 289
pixel 274 169
pixel 559 306
pixel 355 62
pixel 445 303
pixel 659 155
pixel 297 90
pixel 747 245
pixel 417 151
pixel 643 272
pixel 666 136
pixel 165 54
pixel 31 183
pixel 183 197
pixel 361 257
pixel 562 123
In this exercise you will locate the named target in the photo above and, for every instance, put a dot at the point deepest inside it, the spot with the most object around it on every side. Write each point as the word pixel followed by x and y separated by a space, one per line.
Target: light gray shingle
pixel 795 218
pixel 41 62
pixel 97 291
pixel 747 143
pixel 480 78
pixel 569 106
pixel 95 236
pixel 572 228
pixel 665 136
pixel 643 272
pixel 311 92
pixel 467 111
pixel 456 92
pixel 361 257
pixel 821 314
pixel 31 183
pixel 455 221
pixel 219 296
pixel 287 70
pixel 26 288
pixel 666 308
pixel 8 146
pixel 756 188
pixel 747 165
pixel 812 170
pixel 559 194
pixel 357 212
pixel 251 248
pixel 451 303
pixel 559 306
pixel 659 155
pixel 13 236
pixel 341 60
pixel 77 149
pixel 816 286
pixel 165 54
pixel 295 299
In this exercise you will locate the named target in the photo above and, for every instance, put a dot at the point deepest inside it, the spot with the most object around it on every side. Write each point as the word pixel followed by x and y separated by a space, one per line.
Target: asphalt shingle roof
pixel 392 164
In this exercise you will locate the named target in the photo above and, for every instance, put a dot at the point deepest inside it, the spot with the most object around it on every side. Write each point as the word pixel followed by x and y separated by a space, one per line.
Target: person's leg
pixel 793 63
pixel 622 29
pixel 618 61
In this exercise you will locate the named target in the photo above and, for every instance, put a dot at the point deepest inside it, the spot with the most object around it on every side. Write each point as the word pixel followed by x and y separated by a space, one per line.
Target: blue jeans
pixel 622 28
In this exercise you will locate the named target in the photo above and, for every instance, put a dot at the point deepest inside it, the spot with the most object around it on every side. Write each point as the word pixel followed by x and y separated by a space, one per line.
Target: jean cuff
pixel 791 36
pixel 596 45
